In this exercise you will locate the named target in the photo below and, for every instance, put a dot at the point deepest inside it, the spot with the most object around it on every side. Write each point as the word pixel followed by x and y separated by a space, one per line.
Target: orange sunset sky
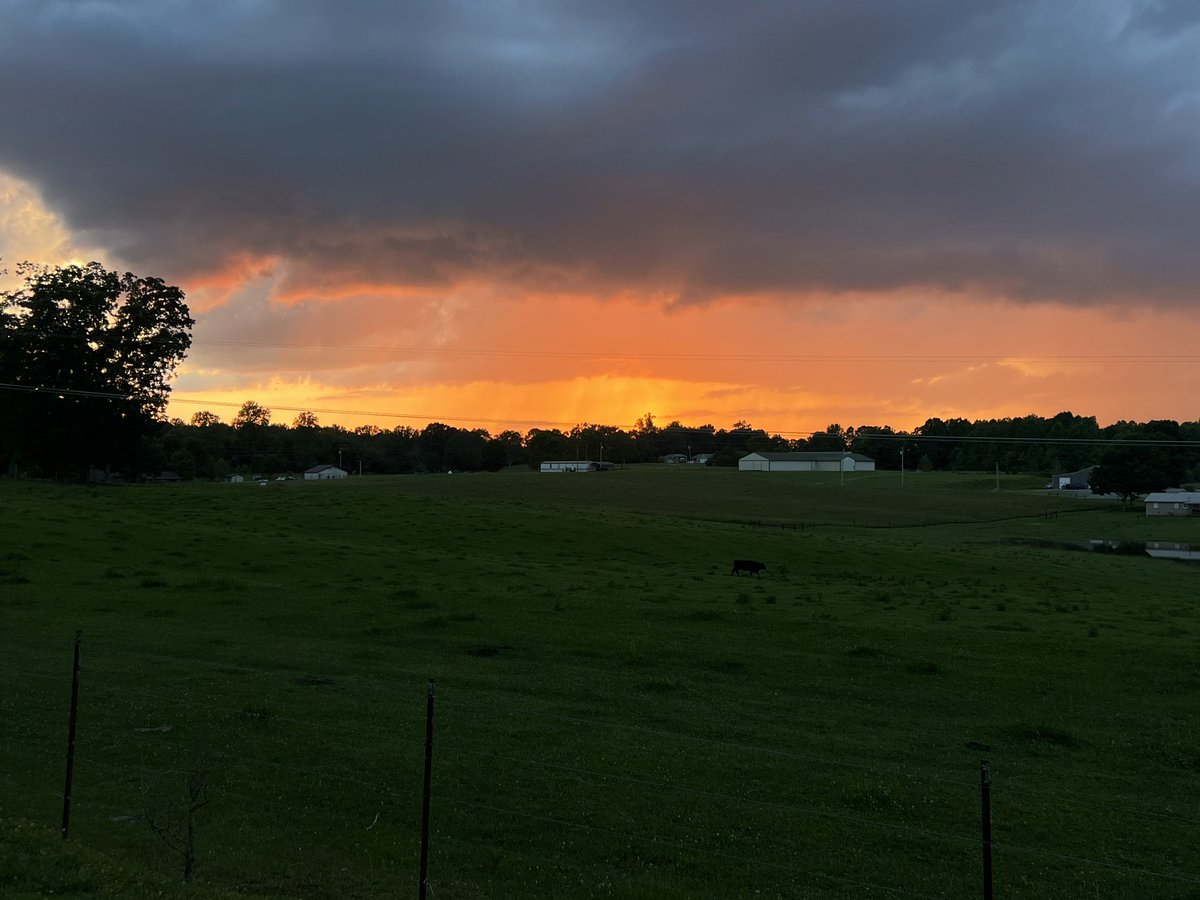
pixel 508 216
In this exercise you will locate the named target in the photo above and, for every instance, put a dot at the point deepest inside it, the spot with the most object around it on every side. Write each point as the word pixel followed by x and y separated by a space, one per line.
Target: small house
pixel 1173 503
pixel 324 473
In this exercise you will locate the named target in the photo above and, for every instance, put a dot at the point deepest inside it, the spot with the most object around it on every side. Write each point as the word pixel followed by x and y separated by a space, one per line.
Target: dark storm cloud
pixel 1028 150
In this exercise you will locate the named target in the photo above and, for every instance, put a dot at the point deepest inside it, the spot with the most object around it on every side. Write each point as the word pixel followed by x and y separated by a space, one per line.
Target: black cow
pixel 747 565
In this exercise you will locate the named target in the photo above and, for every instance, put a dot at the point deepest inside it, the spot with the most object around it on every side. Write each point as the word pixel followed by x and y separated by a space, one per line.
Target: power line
pixel 691 357
pixel 73 392
pixel 707 357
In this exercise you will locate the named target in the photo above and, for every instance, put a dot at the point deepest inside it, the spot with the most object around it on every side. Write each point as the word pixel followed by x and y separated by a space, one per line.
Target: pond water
pixel 1171 550
pixel 1157 549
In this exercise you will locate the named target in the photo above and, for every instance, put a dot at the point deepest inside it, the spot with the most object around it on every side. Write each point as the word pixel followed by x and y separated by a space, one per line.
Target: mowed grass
pixel 616 715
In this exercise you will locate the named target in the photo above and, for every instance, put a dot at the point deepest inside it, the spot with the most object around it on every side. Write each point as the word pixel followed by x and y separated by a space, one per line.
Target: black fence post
pixel 985 789
pixel 424 879
pixel 66 815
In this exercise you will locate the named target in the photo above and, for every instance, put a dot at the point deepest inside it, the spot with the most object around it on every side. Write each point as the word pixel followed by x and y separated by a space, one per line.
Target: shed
pixel 806 462
pixel 324 473
pixel 675 458
pixel 1173 503
pixel 235 479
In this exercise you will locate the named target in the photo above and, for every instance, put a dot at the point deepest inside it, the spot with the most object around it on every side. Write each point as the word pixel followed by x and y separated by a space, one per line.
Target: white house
pixel 806 462
pixel 324 473
pixel 1173 503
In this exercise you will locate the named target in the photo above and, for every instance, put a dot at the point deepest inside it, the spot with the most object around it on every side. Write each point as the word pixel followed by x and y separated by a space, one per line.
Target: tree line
pixel 207 447
pixel 87 357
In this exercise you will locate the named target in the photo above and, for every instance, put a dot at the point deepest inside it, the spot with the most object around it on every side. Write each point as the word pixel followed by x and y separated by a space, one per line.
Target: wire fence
pixel 529 800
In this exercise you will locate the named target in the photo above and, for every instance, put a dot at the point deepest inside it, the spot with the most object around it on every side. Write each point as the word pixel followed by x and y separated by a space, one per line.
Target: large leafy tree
pixel 86 362
pixel 1132 469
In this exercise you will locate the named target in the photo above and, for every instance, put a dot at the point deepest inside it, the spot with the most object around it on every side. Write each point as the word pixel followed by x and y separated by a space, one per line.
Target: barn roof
pixel 1174 497
pixel 316 469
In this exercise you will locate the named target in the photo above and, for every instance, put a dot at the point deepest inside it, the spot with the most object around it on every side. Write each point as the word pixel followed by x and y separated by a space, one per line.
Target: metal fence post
pixel 424 878
pixel 985 789
pixel 66 813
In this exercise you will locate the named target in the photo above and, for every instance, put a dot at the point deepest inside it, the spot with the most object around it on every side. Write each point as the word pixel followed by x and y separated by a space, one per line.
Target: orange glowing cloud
pixel 493 360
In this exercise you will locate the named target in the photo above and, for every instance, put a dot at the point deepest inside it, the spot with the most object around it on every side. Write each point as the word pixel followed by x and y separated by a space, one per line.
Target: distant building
pixel 701 459
pixel 1073 481
pixel 235 479
pixel 806 462
pixel 1173 503
pixel 560 466
pixel 324 473
pixel 675 458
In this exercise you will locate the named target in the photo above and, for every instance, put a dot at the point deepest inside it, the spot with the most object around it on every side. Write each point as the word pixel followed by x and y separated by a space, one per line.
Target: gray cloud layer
pixel 1028 150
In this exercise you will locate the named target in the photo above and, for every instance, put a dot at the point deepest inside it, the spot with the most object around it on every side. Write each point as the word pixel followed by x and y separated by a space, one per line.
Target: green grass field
pixel 617 716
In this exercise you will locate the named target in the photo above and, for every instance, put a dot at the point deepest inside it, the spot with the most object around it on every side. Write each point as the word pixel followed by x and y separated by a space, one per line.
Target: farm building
pixel 324 473
pixel 806 462
pixel 701 459
pixel 1173 503
pixel 558 466
pixel 1073 481
pixel 675 458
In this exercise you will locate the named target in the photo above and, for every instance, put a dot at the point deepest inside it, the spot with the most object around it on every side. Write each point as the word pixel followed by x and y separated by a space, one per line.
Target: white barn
pixel 559 466
pixel 324 473
pixel 806 462
pixel 1173 503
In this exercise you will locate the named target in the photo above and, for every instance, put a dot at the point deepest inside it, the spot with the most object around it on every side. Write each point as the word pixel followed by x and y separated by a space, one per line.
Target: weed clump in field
pixel 924 667
pixel 1043 734
pixel 864 652
pixel 258 713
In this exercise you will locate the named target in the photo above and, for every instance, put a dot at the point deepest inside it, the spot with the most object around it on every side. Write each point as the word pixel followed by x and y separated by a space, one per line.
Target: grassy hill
pixel 617 715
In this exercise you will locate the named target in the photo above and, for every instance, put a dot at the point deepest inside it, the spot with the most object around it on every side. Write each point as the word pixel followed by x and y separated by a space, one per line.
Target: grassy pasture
pixel 617 715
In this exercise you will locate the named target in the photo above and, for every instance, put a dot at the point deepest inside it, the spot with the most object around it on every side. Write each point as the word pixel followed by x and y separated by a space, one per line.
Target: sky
pixel 519 213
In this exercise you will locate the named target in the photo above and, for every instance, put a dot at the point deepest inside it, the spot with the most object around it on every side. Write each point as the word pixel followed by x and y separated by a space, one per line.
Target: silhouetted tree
pixel 252 413
pixel 87 356
pixel 204 418
pixel 1130 471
